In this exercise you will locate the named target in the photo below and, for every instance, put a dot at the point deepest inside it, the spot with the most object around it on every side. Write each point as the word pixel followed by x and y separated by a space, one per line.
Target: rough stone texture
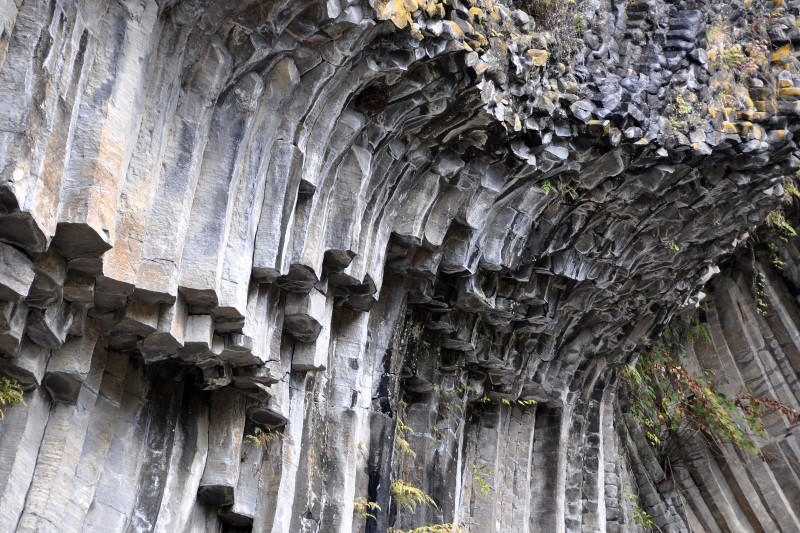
pixel 323 217
pixel 720 488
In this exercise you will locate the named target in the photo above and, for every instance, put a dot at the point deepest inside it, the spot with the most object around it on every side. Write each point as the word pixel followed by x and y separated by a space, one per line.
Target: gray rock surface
pixel 320 218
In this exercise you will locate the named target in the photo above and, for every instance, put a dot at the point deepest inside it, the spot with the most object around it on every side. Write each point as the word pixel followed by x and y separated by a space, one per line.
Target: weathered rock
pixel 328 217
pixel 13 318
pixel 170 332
pixel 69 366
pixel 50 276
pixel 49 327
pixel 225 435
pixel 16 274
pixel 28 366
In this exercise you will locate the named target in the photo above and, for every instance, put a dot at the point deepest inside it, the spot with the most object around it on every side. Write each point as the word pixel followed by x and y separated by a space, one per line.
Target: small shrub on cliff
pixel 365 509
pixel 10 394
pixel 733 56
pixel 777 221
pixel 408 497
pixel 403 446
pixel 580 23
pixel 548 187
pixel 478 473
pixel 746 58
pixel 640 516
pixel 778 231
pixel 670 403
pixel 550 15
pixel 681 113
pixel 762 304
pixel 262 438
pixel 559 17
pixel 505 401
pixel 790 189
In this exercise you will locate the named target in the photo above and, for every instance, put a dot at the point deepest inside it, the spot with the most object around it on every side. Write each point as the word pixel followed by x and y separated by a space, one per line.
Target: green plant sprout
pixel 366 509
pixel 10 394
pixel 478 477
pixel 408 497
pixel 262 438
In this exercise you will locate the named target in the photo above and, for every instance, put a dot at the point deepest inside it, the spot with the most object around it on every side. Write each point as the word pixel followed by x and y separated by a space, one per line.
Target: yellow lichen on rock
pixel 455 30
pixel 538 57
pixel 480 41
pixel 398 11
pixel 792 93
pixel 782 53
pixel 434 9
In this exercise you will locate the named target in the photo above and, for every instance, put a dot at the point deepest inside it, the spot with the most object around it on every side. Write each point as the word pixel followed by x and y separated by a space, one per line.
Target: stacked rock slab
pixel 319 218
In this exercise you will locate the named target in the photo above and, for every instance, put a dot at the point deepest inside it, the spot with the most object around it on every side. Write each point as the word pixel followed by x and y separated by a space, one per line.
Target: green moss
pixel 762 304
pixel 580 23
pixel 733 56
pixel 680 113
pixel 791 189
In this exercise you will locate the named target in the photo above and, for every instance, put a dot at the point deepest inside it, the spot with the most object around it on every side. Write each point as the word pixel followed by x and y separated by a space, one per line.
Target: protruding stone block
pixel 21 229
pixel 88 266
pixel 137 319
pixel 50 272
pixel 28 367
pixel 225 434
pixel 110 294
pixel 13 318
pixel 169 335
pixel 267 417
pixel 238 350
pixel 78 287
pixel 78 240
pixel 16 273
pixel 302 316
pixel 352 293
pixel 69 366
pixel 198 336
pixel 49 327
pixel 255 382
pixel 301 327
pixel 216 375
pixel 300 278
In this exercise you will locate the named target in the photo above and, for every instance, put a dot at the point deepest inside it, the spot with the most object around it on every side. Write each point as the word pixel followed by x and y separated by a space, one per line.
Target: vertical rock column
pixel 225 435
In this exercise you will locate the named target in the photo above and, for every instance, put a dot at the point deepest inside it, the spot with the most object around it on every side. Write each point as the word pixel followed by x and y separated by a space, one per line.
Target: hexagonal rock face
pixel 241 240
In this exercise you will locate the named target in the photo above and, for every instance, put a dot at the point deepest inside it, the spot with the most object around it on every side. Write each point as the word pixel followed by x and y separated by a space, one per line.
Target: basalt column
pixel 263 263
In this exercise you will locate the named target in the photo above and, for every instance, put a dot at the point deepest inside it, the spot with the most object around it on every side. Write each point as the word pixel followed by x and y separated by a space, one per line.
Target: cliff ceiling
pixel 320 219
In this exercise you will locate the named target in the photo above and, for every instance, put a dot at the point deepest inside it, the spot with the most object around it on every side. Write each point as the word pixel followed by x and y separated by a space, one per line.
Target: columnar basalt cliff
pixel 400 240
